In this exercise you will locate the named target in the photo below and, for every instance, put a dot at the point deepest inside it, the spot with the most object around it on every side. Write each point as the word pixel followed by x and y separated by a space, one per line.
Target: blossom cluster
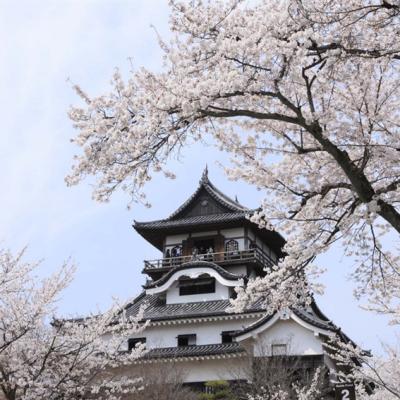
pixel 304 95
pixel 45 358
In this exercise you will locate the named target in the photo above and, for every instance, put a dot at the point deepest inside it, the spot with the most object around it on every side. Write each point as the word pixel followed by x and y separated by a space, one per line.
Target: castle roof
pixel 194 351
pixel 211 351
pixel 156 310
pixel 206 208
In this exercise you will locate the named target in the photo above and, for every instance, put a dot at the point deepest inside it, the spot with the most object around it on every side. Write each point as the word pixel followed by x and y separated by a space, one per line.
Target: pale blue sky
pixel 45 43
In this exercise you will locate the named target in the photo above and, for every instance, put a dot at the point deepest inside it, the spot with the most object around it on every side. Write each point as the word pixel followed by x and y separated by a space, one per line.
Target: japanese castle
pixel 209 247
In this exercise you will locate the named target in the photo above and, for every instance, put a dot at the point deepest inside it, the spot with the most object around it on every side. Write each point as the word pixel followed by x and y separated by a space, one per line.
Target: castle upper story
pixel 213 228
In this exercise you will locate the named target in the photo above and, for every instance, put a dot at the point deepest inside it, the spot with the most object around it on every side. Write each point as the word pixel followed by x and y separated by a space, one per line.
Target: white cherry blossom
pixel 44 358
pixel 305 97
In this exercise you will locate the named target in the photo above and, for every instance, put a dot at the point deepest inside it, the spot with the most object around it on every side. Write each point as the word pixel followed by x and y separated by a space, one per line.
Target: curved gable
pixel 265 323
pixel 194 270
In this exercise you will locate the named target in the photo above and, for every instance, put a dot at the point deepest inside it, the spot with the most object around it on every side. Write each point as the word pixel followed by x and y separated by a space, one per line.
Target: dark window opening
pixel 203 246
pixel 132 343
pixel 226 337
pixel 186 340
pixel 196 286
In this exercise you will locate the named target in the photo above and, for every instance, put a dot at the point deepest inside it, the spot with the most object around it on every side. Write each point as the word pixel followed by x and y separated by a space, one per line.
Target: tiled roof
pixel 225 211
pixel 195 220
pixel 157 311
pixel 314 320
pixel 194 351
pixel 194 264
pixel 233 211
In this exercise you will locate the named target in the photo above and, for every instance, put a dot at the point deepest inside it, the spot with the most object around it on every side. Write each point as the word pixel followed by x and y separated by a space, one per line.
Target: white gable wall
pixel 299 340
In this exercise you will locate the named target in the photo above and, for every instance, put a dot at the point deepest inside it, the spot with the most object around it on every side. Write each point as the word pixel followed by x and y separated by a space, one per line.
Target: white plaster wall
pixel 207 332
pixel 173 297
pixel 211 370
pixel 300 340
pixel 175 239
pixel 232 232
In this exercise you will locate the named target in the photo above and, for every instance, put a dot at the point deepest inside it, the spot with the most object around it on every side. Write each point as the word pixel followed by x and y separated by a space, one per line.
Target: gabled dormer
pixel 210 226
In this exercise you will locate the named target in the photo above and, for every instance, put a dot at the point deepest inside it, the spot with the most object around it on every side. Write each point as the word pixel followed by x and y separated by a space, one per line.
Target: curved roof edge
pixel 230 213
pixel 190 265
pixel 320 323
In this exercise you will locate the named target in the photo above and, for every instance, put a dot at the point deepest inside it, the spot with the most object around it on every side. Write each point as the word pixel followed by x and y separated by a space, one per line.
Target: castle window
pixel 232 248
pixel 186 340
pixel 226 337
pixel 279 349
pixel 231 245
pixel 132 343
pixel 196 286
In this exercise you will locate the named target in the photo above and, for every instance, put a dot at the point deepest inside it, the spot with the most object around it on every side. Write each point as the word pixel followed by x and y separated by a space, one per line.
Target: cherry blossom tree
pixel 311 391
pixel 376 378
pixel 305 97
pixel 65 359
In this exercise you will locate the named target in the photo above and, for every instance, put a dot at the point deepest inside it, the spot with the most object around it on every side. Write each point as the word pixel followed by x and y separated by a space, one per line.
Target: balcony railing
pixel 222 257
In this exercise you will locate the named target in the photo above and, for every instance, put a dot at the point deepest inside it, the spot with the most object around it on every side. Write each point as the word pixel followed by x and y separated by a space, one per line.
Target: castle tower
pixel 209 247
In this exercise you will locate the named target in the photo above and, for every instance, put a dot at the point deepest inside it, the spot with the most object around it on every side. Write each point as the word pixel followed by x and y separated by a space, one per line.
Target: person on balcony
pixel 210 255
pixel 195 254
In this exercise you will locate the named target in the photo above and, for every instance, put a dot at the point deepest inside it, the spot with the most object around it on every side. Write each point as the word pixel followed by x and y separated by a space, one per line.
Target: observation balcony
pixel 255 255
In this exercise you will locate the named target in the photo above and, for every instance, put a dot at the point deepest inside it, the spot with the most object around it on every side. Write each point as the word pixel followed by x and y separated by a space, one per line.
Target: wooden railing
pixel 226 256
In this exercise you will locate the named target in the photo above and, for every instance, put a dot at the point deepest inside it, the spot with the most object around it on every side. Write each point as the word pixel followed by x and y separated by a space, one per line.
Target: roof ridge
pixel 214 192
